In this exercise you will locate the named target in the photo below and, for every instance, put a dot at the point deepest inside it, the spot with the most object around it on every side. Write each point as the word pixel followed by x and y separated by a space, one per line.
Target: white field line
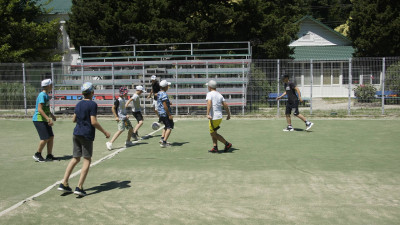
pixel 72 175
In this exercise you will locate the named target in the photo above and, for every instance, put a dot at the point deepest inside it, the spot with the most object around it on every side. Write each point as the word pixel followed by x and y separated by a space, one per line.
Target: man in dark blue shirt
pixel 294 97
pixel 83 137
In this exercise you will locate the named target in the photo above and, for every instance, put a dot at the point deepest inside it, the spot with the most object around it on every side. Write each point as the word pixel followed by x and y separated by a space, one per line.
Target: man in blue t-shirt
pixel 43 120
pixel 164 110
pixel 83 137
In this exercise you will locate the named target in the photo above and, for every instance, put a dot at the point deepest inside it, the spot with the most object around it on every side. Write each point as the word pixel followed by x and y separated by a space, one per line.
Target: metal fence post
pixel 243 89
pixel 52 89
pixel 144 87
pixel 176 88
pixel 350 80
pixel 383 84
pixel 24 81
pixel 278 75
pixel 311 83
pixel 113 80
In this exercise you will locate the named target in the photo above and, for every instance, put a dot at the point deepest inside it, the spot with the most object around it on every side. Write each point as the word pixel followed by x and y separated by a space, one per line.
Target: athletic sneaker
pixel 64 188
pixel 288 128
pixel 109 145
pixel 134 136
pixel 38 157
pixel 165 145
pixel 161 141
pixel 128 143
pixel 50 157
pixel 80 192
pixel 227 147
pixel 309 125
pixel 213 150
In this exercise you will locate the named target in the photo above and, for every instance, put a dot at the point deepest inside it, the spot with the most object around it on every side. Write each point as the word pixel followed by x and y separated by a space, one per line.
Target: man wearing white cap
pixel 164 110
pixel 136 110
pixel 43 121
pixel 215 101
pixel 155 88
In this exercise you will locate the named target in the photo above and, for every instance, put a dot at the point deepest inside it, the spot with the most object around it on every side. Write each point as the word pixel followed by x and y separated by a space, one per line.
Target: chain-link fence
pixel 358 86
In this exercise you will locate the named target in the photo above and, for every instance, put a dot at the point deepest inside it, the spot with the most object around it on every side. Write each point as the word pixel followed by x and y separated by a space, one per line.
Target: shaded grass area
pixel 342 172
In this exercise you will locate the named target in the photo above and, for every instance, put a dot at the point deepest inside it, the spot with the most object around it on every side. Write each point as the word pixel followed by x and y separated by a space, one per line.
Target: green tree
pixel 330 12
pixel 374 28
pixel 269 25
pixel 24 36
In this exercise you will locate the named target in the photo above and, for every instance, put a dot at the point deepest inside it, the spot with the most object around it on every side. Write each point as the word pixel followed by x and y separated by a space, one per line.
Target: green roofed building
pixel 319 42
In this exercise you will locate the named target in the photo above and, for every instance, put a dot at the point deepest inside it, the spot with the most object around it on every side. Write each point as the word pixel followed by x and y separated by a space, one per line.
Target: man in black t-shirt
pixel 294 97
pixel 155 88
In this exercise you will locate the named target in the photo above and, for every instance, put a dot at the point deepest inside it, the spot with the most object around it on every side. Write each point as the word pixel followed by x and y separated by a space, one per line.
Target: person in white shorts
pixel 215 101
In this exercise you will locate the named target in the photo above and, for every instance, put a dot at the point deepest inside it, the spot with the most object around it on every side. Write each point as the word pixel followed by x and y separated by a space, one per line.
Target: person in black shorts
pixel 294 97
pixel 136 110
pixel 155 88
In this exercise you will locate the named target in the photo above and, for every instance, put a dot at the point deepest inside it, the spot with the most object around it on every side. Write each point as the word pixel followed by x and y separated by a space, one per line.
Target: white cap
pixel 153 77
pixel 164 83
pixel 46 82
pixel 212 84
pixel 140 88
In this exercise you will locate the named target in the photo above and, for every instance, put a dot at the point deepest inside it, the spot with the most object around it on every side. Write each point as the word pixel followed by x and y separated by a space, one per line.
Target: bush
pixel 12 95
pixel 365 93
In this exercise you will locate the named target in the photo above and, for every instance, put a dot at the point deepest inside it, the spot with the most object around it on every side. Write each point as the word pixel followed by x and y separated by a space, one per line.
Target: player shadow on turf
pixel 65 157
pixel 108 187
pixel 299 129
pixel 231 150
pixel 150 136
pixel 178 143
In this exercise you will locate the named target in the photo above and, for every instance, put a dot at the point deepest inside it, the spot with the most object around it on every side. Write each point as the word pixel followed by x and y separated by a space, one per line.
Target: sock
pixel 215 147
pixel 226 143
pixel 164 142
pixel 162 138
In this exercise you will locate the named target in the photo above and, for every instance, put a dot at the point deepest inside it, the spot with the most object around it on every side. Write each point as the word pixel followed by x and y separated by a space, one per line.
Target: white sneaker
pixel 309 125
pixel 166 145
pixel 128 143
pixel 161 141
pixel 289 128
pixel 109 145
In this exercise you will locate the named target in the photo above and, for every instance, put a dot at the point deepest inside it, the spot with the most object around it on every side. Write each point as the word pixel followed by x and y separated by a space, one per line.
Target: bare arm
pixel 209 105
pixel 113 109
pixel 127 103
pixel 298 94
pixel 227 110
pixel 284 93
pixel 74 118
pixel 166 110
pixel 40 110
pixel 96 124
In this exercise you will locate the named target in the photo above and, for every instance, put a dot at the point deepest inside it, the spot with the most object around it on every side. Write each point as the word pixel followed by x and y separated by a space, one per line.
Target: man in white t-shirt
pixel 136 110
pixel 215 102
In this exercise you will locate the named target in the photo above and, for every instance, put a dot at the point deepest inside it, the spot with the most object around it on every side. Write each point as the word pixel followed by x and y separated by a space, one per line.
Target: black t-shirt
pixel 291 92
pixel 156 88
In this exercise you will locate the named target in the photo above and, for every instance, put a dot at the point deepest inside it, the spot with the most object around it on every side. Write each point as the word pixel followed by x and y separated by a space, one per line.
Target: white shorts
pixel 155 104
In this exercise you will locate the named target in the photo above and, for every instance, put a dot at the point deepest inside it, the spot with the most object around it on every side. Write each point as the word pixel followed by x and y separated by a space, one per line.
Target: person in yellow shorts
pixel 215 102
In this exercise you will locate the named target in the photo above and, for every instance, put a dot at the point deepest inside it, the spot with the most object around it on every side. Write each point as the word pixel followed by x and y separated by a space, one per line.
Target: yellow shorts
pixel 214 125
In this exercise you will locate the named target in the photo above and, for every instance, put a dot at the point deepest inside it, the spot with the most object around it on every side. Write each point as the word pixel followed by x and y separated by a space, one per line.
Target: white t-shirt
pixel 216 109
pixel 136 103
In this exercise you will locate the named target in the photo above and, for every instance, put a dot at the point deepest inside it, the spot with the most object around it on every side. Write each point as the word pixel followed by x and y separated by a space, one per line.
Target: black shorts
pixel 82 147
pixel 169 124
pixel 138 116
pixel 44 130
pixel 292 105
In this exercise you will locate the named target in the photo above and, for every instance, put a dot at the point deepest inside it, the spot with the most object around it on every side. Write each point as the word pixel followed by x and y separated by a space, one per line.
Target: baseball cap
pixel 87 88
pixel 123 91
pixel 140 88
pixel 153 77
pixel 164 83
pixel 212 84
pixel 46 82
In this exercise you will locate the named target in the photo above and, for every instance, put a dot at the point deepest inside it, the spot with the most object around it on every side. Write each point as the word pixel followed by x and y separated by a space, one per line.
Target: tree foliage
pixel 375 28
pixel 267 24
pixel 23 36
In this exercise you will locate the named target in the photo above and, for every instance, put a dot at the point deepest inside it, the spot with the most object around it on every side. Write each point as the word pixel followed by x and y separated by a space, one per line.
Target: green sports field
pixel 342 172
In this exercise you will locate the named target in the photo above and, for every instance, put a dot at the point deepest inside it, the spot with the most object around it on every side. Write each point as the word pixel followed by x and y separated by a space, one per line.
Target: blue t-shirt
pixel 44 99
pixel 163 97
pixel 83 110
